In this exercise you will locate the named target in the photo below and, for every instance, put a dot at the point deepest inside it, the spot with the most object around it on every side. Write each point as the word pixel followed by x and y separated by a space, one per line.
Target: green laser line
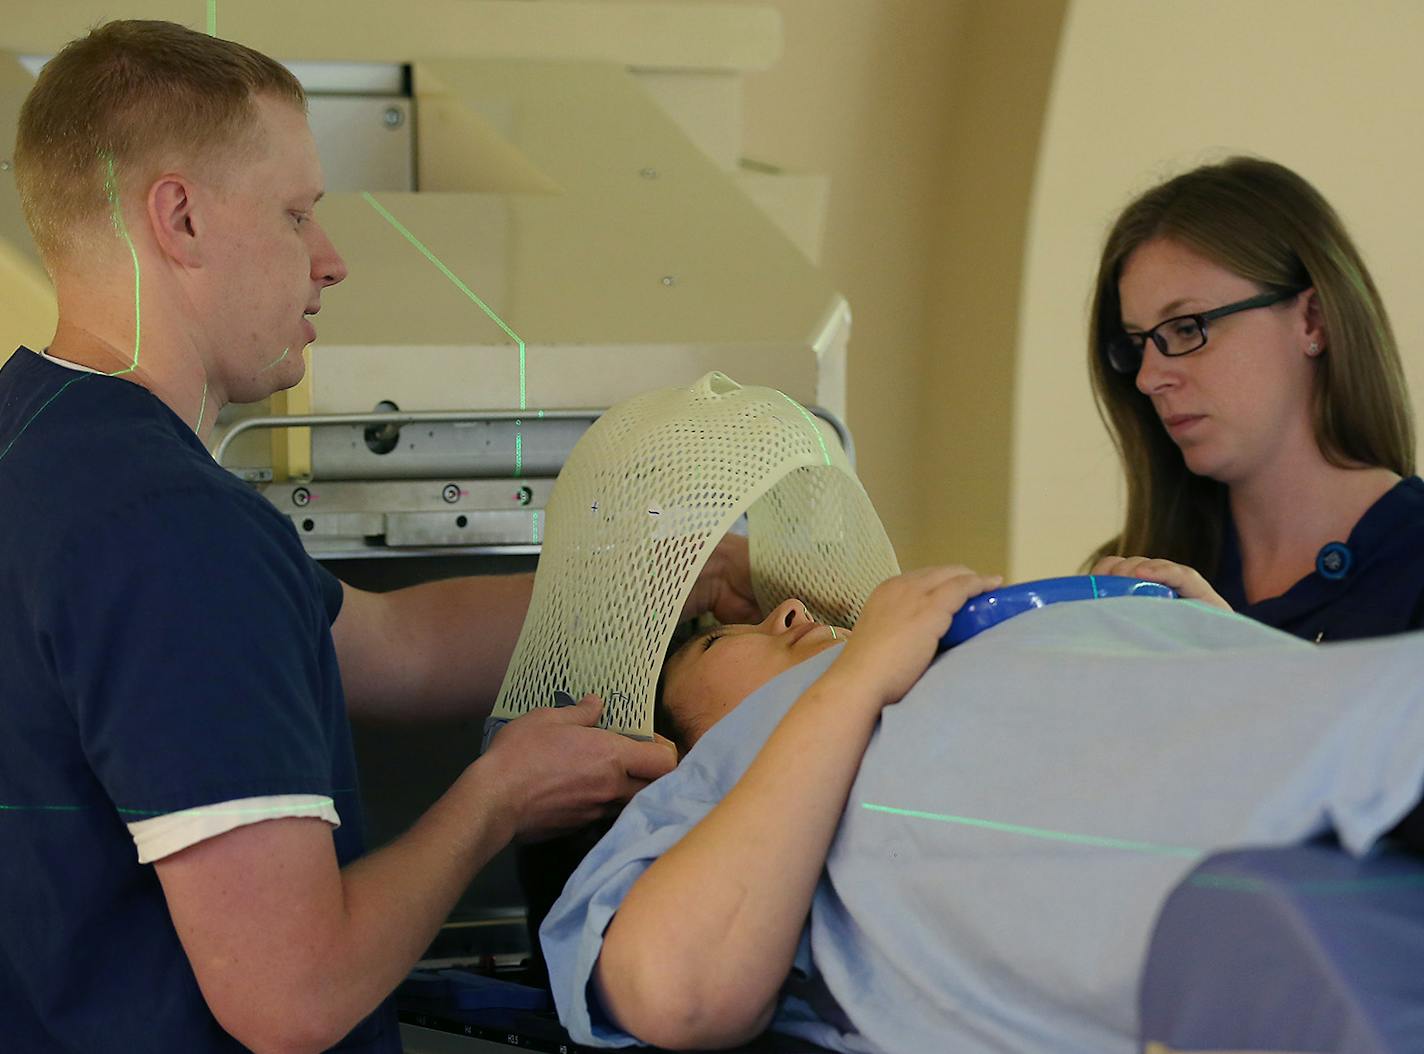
pixel 460 285
pixel 278 360
pixel 535 537
pixel 210 810
pixel 205 810
pixel 1242 884
pixel 116 216
pixel 202 408
pixel 111 185
pixel 212 18
pixel 11 445
pixel 815 430
pixel 1040 832
pixel 1093 581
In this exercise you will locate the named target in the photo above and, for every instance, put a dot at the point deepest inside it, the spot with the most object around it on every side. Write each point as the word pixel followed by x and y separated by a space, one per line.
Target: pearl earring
pixel 1314 349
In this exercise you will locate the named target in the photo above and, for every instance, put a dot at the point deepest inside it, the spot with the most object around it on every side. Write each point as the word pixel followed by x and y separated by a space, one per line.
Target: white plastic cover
pixel 642 501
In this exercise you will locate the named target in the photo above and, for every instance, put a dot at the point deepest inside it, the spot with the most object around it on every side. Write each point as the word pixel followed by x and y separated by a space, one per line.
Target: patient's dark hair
pixel 665 722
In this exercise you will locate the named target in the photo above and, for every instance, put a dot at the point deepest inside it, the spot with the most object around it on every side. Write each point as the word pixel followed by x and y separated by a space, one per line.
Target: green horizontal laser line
pixel 815 429
pixel 209 810
pixel 1243 884
pixel 1039 832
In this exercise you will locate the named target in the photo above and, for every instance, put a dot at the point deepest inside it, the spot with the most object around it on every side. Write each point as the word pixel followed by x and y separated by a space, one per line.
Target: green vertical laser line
pixel 117 214
pixel 815 429
pixel 1093 581
pixel 202 408
pixel 1040 832
pixel 535 537
pixel 111 187
pixel 455 279
pixel 212 18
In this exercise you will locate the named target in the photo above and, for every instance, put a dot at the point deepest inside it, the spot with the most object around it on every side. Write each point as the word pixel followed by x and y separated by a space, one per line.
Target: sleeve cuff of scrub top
pixel 161 836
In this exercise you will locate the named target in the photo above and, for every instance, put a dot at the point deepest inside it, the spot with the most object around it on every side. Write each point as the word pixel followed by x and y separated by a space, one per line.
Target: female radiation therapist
pixel 1245 367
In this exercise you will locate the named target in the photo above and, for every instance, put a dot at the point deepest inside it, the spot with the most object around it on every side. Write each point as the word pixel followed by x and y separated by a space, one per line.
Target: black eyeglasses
pixel 1181 335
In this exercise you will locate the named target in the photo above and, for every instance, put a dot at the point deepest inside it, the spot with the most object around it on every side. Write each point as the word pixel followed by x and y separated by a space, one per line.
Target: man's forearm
pixel 445 650
pixel 397 898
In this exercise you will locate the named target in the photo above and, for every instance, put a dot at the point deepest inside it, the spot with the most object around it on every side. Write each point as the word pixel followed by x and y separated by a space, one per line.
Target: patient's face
pixel 717 669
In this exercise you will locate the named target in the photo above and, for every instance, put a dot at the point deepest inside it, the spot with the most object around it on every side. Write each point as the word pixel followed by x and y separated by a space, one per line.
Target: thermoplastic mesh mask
pixel 642 501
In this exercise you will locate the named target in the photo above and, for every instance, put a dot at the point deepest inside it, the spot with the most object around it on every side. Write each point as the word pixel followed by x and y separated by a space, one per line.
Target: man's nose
pixel 328 268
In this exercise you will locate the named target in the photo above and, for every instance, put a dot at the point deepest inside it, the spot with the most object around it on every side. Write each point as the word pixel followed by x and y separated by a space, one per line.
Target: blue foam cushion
pixel 997 605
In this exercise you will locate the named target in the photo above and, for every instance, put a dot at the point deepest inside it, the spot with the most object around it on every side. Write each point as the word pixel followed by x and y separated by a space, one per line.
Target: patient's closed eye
pixel 710 639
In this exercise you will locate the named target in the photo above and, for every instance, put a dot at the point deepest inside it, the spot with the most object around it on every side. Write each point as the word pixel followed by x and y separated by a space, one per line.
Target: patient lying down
pixel 875 851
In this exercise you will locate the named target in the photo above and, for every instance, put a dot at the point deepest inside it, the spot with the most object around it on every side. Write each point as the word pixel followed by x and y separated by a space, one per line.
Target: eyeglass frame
pixel 1200 318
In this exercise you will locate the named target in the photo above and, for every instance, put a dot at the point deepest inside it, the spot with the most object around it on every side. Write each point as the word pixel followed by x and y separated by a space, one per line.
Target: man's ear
pixel 171 217
pixel 1316 337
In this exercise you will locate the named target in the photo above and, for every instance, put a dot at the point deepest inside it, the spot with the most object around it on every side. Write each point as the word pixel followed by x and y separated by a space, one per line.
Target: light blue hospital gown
pixel 1020 816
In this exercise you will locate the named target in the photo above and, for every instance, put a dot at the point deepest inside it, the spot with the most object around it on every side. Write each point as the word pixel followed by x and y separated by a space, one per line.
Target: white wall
pixel 1143 90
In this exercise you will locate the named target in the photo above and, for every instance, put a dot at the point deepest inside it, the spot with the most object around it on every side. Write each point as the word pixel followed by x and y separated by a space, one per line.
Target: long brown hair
pixel 138 94
pixel 1263 222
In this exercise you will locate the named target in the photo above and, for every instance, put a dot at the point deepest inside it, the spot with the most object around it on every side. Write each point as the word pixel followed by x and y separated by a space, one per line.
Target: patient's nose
pixel 786 615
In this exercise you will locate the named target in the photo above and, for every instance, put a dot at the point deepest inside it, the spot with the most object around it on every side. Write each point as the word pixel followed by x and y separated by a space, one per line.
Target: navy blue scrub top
pixel 1368 585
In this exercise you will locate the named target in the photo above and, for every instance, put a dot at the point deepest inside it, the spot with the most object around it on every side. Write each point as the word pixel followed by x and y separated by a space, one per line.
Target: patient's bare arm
pixel 704 940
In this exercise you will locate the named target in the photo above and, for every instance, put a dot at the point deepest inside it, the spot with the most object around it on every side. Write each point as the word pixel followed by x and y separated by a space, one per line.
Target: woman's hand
pixel 1187 582
pixel 899 630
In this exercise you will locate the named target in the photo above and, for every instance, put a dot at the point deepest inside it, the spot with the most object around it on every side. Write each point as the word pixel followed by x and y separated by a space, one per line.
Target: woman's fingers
pixel 1187 581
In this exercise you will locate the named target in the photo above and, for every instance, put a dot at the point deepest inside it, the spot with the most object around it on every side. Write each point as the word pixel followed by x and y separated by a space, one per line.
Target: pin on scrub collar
pixel 642 501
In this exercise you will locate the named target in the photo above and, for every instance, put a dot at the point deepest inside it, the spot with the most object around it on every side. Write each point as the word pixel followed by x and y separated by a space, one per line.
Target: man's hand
pixel 725 585
pixel 899 630
pixel 556 771
pixel 1187 582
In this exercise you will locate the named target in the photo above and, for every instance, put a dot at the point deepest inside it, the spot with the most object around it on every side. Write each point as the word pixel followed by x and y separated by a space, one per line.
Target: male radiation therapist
pixel 176 672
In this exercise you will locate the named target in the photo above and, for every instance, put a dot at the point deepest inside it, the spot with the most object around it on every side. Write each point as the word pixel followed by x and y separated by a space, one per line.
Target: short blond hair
pixel 137 94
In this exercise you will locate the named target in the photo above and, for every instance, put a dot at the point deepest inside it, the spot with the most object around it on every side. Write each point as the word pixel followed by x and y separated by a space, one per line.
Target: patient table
pixel 1297 949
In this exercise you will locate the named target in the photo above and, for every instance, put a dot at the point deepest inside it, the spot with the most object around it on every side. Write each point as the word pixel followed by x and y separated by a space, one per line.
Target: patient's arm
pixel 699 949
